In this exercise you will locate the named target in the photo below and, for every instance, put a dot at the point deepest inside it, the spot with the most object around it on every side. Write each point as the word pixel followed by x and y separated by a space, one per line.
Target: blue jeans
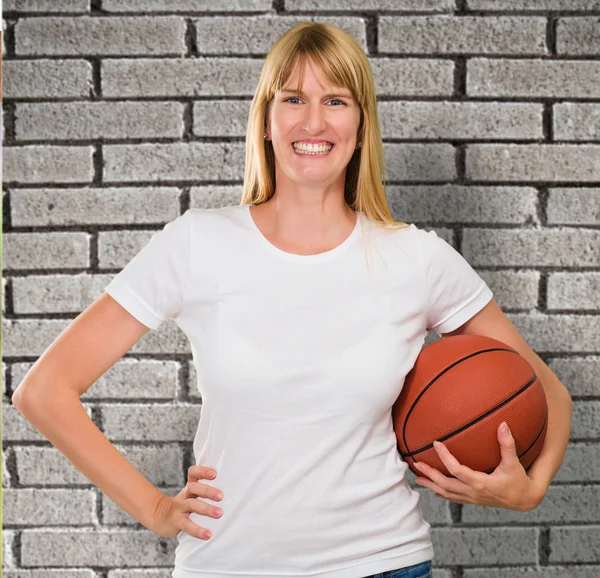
pixel 422 570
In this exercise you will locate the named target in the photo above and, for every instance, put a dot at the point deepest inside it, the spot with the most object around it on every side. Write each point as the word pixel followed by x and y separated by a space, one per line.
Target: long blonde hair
pixel 343 62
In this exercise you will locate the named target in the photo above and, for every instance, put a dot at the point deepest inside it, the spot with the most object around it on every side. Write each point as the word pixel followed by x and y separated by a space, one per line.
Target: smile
pixel 312 153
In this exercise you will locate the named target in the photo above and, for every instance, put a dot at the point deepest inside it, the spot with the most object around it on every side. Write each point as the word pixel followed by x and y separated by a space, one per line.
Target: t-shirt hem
pixel 123 295
pixel 356 571
pixel 476 304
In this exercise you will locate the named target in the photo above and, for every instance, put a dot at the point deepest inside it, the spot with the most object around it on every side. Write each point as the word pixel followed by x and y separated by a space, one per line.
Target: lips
pixel 308 142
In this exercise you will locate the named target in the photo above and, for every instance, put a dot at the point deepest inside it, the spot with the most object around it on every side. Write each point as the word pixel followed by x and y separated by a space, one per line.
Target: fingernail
pixel 504 428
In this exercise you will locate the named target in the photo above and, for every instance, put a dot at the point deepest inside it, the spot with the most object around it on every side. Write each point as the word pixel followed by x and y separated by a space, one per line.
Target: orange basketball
pixel 459 391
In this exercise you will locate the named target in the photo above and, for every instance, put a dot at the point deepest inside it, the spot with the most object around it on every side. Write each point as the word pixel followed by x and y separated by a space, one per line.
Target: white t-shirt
pixel 299 360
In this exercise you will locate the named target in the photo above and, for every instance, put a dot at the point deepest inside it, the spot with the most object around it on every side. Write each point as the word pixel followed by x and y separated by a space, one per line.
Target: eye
pixel 332 100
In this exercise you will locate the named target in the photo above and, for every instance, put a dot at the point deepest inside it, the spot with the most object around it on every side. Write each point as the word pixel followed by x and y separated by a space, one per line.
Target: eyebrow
pixel 292 91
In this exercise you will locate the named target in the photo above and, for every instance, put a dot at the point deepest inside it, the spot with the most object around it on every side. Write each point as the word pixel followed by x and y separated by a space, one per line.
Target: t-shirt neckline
pixel 317 257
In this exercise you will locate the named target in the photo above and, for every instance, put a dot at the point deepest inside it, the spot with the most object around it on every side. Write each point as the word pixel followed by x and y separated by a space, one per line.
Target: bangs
pixel 332 63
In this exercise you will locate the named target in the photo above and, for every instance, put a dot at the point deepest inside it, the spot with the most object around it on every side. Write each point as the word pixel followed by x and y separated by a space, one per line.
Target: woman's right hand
pixel 173 513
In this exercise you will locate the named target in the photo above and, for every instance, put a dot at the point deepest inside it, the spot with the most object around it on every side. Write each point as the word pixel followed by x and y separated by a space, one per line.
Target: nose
pixel 314 120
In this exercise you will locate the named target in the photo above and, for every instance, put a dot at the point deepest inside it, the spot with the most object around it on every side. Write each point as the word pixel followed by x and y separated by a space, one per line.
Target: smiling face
pixel 320 113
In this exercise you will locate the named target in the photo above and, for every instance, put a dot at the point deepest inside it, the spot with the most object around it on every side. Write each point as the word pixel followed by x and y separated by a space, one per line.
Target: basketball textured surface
pixel 459 391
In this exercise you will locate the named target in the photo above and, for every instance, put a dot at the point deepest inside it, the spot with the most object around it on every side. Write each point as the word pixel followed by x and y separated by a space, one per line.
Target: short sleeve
pixel 455 291
pixel 151 286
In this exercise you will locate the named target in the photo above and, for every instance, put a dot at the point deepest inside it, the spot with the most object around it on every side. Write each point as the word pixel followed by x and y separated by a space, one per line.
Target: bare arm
pixel 49 398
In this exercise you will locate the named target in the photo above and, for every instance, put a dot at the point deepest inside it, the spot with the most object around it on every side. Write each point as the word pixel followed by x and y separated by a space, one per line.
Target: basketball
pixel 459 391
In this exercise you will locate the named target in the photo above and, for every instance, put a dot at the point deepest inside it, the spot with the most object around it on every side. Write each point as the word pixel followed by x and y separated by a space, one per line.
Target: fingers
pixel 192 504
pixel 194 530
pixel 196 473
pixel 206 491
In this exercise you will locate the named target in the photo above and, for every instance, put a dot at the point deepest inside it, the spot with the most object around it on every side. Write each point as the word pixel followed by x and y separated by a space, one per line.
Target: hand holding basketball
pixel 508 486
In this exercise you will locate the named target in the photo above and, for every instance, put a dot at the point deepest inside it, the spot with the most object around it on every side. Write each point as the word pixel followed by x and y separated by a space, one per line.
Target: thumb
pixel 508 448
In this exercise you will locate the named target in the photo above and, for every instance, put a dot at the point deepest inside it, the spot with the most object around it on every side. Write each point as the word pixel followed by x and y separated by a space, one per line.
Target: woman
pixel 301 343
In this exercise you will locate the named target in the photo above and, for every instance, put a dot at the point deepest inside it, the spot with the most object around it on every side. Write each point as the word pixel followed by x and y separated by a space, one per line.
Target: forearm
pixel 65 423
pixel 560 406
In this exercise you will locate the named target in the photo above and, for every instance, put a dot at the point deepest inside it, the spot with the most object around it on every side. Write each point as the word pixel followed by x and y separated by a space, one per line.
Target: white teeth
pixel 312 148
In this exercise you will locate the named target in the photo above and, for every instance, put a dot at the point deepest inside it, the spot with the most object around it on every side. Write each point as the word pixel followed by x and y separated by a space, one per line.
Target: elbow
pixel 18 397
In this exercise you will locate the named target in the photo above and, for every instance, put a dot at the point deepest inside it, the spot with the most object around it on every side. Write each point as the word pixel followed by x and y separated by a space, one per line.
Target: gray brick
pixel 146 573
pixel 573 206
pixel 561 505
pixel 532 247
pixel 128 378
pixel 578 374
pixel 43 164
pixel 577 121
pixel 455 203
pixel 578 36
pixel 484 546
pixel 412 77
pixel 98 120
pixel 16 428
pixel 417 162
pixel 585 423
pixel 117 248
pixel 535 162
pixel 574 544
pixel 5 373
pixel 174 162
pixel 67 6
pixel 56 293
pixel 513 289
pixel 558 333
pixel 462 35
pixel 6 477
pixel 141 77
pixel 93 206
pixel 533 78
pixel 48 573
pixel 33 336
pixel 372 5
pixel 460 120
pixel 46 250
pixel 83 35
pixel 162 465
pixel 156 422
pixel 46 78
pixel 209 115
pixel 537 6
pixel 574 291
pixel 215 196
pixel 46 466
pixel 256 34
pixel 118 548
pixel 186 6
pixel 8 540
pixel 534 572
pixel 38 507
pixel 150 379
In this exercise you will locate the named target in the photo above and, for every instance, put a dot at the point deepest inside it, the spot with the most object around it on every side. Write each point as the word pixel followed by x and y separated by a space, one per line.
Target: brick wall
pixel 113 126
